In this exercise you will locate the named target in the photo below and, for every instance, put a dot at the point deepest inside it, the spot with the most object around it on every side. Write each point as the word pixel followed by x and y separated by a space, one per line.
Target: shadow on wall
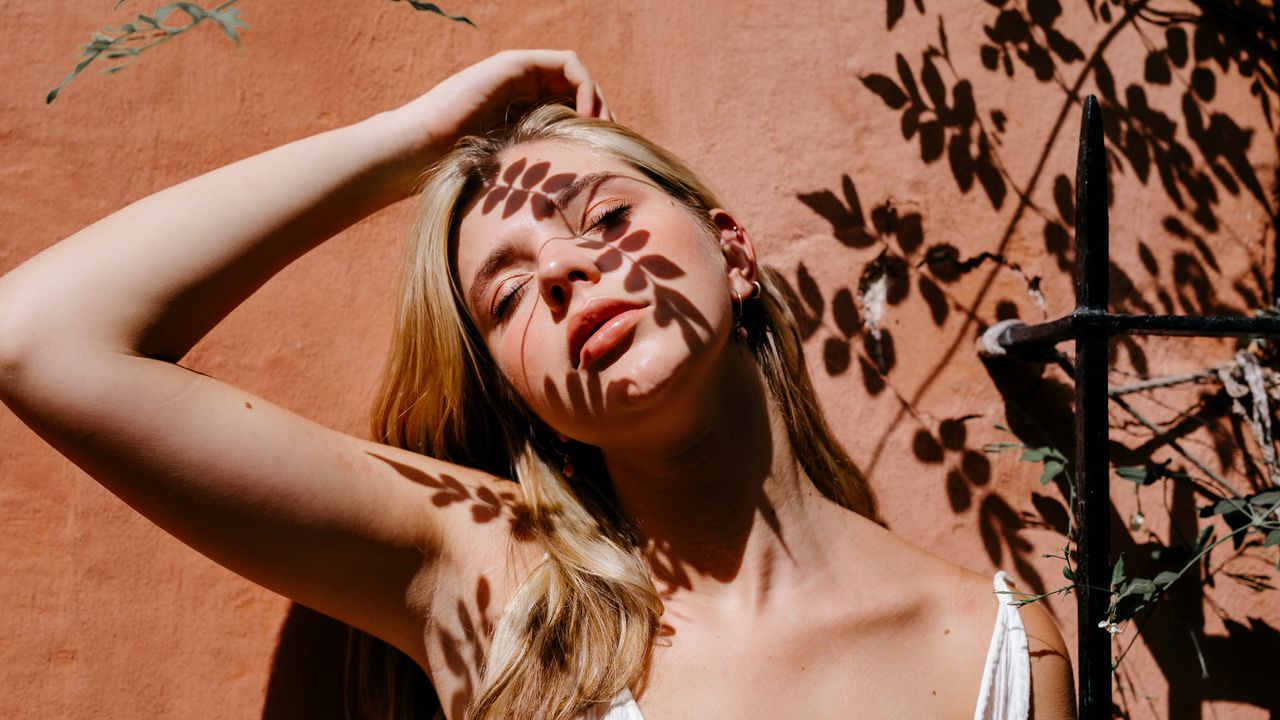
pixel 307 679
pixel 935 106
pixel 1194 153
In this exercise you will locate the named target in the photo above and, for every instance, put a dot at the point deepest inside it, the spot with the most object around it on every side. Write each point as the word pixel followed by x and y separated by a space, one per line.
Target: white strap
pixel 623 707
pixel 1006 679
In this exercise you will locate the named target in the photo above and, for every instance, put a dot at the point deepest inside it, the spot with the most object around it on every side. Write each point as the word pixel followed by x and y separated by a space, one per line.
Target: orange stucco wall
pixel 102 614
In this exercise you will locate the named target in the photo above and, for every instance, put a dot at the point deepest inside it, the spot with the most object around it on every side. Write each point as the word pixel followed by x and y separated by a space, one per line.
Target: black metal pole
pixel 1091 327
pixel 1092 474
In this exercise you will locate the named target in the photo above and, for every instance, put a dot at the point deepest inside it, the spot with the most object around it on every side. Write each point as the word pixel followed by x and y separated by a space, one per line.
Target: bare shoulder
pixel 958 619
pixel 1052 685
pixel 953 593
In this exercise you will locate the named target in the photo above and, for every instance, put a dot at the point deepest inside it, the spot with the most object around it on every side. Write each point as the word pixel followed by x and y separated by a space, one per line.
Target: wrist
pixel 400 152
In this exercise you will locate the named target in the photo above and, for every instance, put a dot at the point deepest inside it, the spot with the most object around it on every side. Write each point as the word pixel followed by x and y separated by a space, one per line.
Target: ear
pixel 739 252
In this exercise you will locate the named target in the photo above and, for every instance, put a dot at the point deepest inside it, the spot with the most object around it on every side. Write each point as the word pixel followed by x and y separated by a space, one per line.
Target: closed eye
pixel 508 295
pixel 610 218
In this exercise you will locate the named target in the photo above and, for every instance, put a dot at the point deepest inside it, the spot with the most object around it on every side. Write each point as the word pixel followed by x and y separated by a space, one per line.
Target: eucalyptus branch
pixel 126 43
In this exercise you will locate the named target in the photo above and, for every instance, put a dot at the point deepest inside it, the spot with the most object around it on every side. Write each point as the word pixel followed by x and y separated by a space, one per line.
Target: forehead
pixel 533 172
pixel 519 199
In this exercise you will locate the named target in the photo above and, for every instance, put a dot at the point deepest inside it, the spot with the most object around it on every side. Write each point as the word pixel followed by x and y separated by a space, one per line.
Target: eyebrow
pixel 561 198
pixel 498 258
pixel 505 253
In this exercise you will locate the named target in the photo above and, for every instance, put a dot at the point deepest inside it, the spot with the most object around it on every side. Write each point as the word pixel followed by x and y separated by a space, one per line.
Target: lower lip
pixel 609 336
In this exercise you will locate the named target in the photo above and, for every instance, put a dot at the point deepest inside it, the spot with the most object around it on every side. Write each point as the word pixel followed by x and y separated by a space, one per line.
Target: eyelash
pixel 509 298
pixel 611 217
pixel 614 215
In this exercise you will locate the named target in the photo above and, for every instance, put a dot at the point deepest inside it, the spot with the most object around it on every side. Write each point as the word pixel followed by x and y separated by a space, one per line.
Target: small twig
pixel 1207 374
pixel 1204 669
pixel 1163 434
pixel 1137 632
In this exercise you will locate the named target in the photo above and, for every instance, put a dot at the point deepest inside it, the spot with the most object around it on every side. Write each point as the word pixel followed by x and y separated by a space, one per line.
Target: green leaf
pixel 1165 579
pixel 1001 446
pixel 1133 473
pixel 1035 454
pixel 1066 573
pixel 1230 505
pixel 1273 538
pixel 1265 500
pixel 1052 469
pixel 146 32
pixel 1128 606
pixel 1141 587
pixel 1117 572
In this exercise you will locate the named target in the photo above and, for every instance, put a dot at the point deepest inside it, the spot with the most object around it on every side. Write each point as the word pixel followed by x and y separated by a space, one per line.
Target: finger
pixel 602 106
pixel 586 101
pixel 562 71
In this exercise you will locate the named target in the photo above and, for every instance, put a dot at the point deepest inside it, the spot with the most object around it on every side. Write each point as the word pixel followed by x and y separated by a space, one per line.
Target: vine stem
pixel 1222 482
pixel 1254 522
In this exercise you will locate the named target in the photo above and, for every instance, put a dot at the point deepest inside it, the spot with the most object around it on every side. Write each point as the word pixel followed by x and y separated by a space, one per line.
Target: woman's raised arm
pixel 91 329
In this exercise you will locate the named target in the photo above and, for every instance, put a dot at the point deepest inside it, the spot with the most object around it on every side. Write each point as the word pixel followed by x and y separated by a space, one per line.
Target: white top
pixel 1006 679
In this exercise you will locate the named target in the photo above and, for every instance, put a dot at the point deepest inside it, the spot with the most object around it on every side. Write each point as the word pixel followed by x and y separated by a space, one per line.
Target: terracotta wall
pixel 956 189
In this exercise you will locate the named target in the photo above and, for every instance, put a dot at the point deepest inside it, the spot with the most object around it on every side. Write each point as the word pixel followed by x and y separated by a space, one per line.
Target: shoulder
pixel 965 605
pixel 1052 684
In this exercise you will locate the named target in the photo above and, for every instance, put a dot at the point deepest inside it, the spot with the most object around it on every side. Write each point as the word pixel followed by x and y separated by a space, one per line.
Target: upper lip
pixel 597 312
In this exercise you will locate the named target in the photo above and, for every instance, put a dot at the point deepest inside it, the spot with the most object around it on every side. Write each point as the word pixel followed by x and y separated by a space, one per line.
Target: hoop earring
pixel 560 446
pixel 739 308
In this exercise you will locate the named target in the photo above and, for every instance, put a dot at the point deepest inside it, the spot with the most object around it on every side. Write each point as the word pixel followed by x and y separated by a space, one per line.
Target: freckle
pixel 945 631
pixel 935 692
pixel 248 405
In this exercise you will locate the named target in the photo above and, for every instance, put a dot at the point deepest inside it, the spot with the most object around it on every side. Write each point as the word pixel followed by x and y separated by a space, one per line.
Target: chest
pixel 890 670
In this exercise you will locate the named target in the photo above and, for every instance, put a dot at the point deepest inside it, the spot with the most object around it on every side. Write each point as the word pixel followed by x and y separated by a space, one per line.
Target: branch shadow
pixel 1195 150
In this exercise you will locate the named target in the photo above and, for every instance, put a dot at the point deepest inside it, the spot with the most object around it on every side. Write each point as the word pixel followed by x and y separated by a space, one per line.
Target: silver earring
pixel 739 309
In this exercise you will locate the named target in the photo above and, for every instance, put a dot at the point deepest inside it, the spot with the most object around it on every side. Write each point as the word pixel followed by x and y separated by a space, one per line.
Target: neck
pixel 723 509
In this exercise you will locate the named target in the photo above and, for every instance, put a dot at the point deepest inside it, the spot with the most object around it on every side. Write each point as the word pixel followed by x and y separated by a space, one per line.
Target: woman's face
pixel 600 297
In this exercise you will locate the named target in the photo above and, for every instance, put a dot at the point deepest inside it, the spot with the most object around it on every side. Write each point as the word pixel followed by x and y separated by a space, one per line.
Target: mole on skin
pixel 248 405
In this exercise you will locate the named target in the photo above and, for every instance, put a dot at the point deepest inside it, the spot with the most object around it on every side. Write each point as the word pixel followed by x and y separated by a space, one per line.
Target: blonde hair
pixel 581 626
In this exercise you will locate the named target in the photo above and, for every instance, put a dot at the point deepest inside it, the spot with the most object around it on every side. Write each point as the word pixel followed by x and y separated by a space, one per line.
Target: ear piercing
pixel 739 309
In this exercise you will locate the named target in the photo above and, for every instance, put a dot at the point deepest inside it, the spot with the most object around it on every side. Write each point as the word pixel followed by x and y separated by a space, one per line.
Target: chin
pixel 652 380
pixel 639 378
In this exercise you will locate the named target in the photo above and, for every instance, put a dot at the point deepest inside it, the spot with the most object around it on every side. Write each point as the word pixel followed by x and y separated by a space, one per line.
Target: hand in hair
pixel 92 329
pixel 498 90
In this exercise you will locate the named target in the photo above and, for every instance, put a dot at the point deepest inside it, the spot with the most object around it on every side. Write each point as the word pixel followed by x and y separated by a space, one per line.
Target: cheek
pixel 526 357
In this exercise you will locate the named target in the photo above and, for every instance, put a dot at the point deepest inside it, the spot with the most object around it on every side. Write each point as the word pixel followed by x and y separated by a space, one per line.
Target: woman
pixel 579 314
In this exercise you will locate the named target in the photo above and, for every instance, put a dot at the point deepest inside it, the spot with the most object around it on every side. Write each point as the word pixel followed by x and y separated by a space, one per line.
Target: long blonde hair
pixel 581 626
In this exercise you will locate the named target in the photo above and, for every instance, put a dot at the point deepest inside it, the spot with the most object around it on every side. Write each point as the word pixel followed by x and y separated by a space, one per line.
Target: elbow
pixel 19 336
pixel 15 342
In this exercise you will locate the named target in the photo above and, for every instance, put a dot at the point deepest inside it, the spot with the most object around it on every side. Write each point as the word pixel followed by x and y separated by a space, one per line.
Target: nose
pixel 561 265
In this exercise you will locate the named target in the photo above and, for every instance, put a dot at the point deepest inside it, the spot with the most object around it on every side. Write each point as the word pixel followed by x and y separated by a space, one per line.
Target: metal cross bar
pixel 1091 327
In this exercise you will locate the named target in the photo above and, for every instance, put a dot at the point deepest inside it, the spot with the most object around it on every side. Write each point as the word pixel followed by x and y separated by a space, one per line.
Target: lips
pixel 600 327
